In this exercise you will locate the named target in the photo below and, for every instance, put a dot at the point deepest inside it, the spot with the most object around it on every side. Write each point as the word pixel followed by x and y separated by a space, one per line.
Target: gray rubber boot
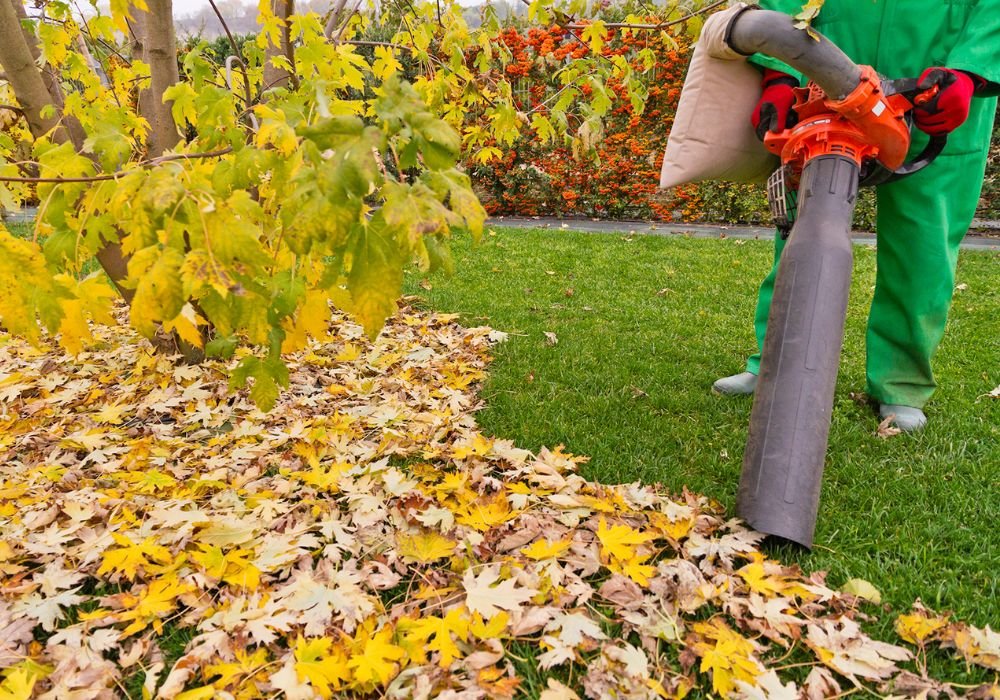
pixel 736 385
pixel 906 418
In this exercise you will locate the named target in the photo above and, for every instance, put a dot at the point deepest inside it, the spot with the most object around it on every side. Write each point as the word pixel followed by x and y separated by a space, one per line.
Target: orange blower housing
pixel 865 125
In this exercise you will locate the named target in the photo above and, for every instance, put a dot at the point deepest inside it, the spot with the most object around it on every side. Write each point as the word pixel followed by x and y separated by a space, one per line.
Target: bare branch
pixel 236 52
pixel 653 27
pixel 334 20
pixel 343 25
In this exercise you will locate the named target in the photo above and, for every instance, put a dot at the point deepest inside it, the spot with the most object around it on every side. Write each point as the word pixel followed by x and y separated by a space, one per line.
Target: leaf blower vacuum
pixel 853 130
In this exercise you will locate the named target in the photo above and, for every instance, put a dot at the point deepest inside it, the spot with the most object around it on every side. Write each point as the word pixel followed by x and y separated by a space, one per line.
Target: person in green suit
pixel 922 219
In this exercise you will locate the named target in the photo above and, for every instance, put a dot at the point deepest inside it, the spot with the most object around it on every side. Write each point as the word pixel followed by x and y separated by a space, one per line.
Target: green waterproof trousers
pixel 921 219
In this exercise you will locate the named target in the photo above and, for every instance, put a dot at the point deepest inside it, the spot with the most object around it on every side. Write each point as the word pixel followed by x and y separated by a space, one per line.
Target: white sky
pixel 189 7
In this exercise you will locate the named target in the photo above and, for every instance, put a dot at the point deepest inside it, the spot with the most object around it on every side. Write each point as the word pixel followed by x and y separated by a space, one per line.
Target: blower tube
pixel 790 419
pixel 774 34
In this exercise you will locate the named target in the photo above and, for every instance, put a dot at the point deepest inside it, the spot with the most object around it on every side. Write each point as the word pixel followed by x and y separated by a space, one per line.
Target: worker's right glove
pixel 774 111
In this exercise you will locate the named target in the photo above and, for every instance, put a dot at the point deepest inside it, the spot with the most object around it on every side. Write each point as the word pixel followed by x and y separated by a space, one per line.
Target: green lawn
pixel 645 324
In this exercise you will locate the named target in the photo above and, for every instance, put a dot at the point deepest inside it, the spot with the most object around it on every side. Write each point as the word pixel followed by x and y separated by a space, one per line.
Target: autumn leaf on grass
pixel 19 681
pixel 48 610
pixel 131 555
pixel 486 512
pixel 708 550
pixel 977 646
pixel 618 547
pixel 488 600
pixel 376 662
pixel 475 445
pixel 544 549
pixel 725 653
pixel 322 664
pixel 620 541
pixel 247 667
pixel 575 630
pixel 676 523
pixel 768 687
pixel 150 605
pixel 489 630
pixel 436 634
pixel 557 691
pixel 921 625
pixel 424 547
pixel 769 578
pixel 841 645
pixel 635 568
pixel 233 566
pixel 860 588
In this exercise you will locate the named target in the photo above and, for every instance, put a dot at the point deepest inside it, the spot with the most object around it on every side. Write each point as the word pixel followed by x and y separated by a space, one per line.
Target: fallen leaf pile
pixel 163 538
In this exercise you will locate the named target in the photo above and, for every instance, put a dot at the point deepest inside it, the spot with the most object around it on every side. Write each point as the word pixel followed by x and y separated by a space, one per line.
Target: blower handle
pixel 908 88
pixel 927 156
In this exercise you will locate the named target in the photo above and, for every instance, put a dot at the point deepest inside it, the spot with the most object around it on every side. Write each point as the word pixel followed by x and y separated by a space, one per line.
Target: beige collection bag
pixel 712 138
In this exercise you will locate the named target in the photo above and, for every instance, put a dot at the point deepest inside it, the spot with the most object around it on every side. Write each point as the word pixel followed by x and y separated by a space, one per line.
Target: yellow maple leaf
pixel 435 634
pixel 232 567
pixel 376 664
pixel 113 413
pixel 185 324
pixel 486 512
pixel 246 665
pixel 74 333
pixel 311 321
pixel 151 605
pixel 674 529
pixel 920 625
pixel 635 568
pixel 489 630
pixel 349 353
pixel 19 680
pixel 726 654
pixel 977 646
pixel 544 549
pixel 478 446
pixel 321 663
pixel 424 547
pixel 620 541
pixel 131 555
pixel 205 692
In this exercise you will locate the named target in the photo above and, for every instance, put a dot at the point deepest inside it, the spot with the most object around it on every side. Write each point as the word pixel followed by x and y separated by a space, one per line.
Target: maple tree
pixel 231 206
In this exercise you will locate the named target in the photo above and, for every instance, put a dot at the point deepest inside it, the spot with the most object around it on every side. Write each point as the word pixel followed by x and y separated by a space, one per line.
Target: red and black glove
pixel 774 111
pixel 949 108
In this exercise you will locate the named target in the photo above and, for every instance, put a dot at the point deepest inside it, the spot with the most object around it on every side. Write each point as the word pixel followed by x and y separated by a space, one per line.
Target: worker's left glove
pixel 949 108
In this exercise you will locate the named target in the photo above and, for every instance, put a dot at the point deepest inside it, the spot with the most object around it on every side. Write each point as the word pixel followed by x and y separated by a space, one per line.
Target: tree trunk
pixel 161 54
pixel 27 80
pixel 275 76
pixel 24 75
pixel 50 76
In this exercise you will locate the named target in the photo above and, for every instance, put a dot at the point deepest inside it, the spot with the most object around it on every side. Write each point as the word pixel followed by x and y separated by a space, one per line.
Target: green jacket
pixel 901 38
